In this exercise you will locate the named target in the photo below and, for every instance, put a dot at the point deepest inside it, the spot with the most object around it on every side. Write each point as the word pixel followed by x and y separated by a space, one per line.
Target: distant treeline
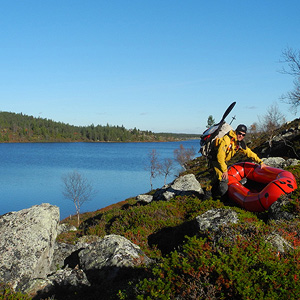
pixel 22 128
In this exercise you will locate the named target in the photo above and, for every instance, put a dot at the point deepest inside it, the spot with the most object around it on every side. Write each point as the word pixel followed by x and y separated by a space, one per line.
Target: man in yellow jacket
pixel 225 148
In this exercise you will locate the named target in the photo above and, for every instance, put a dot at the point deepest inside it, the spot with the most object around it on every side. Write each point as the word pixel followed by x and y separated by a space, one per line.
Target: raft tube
pixel 276 182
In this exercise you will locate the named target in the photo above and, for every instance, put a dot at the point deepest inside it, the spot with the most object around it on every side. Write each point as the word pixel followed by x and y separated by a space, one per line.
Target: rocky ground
pixel 35 262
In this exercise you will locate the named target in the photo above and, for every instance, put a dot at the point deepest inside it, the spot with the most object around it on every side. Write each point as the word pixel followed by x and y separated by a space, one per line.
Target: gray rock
pixel 66 255
pixel 26 243
pixel 65 228
pixel 66 280
pixel 187 183
pixel 275 162
pixel 61 252
pixel 104 258
pixel 111 250
pixel 278 242
pixel 168 195
pixel 292 162
pixel 281 209
pixel 279 162
pixel 144 198
pixel 70 278
pixel 38 285
pixel 213 219
pixel 171 238
pixel 183 185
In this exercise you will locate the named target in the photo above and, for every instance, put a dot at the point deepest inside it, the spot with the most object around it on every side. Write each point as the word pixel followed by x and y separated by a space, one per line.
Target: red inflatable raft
pixel 263 187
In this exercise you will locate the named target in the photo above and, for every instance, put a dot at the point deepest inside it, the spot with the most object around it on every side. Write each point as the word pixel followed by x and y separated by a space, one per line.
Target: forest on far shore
pixel 17 127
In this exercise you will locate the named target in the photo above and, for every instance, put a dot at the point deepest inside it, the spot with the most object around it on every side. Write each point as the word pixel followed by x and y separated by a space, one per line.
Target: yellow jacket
pixel 228 146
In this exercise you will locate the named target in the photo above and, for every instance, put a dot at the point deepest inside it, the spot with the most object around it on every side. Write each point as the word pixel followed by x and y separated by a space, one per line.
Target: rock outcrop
pixel 183 185
pixel 279 162
pixel 213 219
pixel 282 143
pixel 170 238
pixel 102 260
pixel 32 261
pixel 27 243
pixel 94 262
pixel 282 209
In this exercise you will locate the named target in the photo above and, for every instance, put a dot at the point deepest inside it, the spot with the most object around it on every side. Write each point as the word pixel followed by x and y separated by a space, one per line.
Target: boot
pixel 207 193
pixel 223 187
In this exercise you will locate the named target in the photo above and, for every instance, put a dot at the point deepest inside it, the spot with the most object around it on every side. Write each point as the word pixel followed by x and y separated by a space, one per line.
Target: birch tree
pixel 154 166
pixel 183 155
pixel 166 168
pixel 292 59
pixel 77 189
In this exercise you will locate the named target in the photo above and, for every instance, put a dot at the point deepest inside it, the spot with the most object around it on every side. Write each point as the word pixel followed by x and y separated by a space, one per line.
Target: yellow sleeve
pixel 252 155
pixel 221 154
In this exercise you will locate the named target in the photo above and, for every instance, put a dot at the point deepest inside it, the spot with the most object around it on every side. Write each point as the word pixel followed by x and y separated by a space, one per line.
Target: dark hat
pixel 241 128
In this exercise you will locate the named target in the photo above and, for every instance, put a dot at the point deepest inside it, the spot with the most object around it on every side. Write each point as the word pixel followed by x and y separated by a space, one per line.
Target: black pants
pixel 219 186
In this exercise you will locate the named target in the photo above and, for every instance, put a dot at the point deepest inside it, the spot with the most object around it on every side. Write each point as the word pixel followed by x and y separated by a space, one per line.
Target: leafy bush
pixel 245 269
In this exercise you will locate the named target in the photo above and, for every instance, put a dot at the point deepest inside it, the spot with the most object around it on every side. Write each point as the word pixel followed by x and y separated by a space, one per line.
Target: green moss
pixel 7 293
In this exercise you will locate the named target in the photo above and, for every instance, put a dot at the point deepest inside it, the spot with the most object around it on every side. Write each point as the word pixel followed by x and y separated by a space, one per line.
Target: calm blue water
pixel 31 174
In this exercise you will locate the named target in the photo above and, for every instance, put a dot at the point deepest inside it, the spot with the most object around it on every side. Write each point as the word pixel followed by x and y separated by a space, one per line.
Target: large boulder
pixel 183 185
pixel 105 258
pixel 279 162
pixel 144 198
pixel 66 255
pixel 63 281
pixel 213 219
pixel 170 238
pixel 91 261
pixel 282 143
pixel 26 243
pixel 282 209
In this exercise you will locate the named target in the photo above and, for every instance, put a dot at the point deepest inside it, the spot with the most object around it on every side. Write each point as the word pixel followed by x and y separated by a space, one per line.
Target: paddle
pixel 227 112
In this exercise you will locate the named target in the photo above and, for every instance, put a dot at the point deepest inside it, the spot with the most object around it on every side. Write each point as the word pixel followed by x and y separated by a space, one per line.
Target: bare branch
pixel 77 189
pixel 183 155
pixel 166 168
pixel 154 166
pixel 272 120
pixel 292 59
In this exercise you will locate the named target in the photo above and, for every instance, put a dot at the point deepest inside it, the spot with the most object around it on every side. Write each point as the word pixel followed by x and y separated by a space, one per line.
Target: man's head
pixel 241 132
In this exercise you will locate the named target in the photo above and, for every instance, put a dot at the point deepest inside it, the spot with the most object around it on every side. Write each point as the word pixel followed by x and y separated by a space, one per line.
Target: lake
pixel 31 173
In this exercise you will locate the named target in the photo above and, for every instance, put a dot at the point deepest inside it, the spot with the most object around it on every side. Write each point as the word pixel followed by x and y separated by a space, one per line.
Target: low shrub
pixel 7 293
pixel 136 222
pixel 245 269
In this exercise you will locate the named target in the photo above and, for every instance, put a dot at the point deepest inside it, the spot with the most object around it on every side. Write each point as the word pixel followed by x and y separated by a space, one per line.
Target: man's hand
pixel 225 175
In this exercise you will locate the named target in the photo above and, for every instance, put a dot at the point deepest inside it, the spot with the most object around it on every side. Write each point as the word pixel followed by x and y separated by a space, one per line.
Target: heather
pixel 239 261
pixel 241 265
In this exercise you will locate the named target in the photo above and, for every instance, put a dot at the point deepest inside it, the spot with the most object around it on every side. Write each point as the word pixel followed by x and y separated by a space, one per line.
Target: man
pixel 224 149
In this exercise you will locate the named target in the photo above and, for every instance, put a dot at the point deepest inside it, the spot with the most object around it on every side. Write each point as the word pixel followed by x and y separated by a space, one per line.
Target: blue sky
pixel 159 65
